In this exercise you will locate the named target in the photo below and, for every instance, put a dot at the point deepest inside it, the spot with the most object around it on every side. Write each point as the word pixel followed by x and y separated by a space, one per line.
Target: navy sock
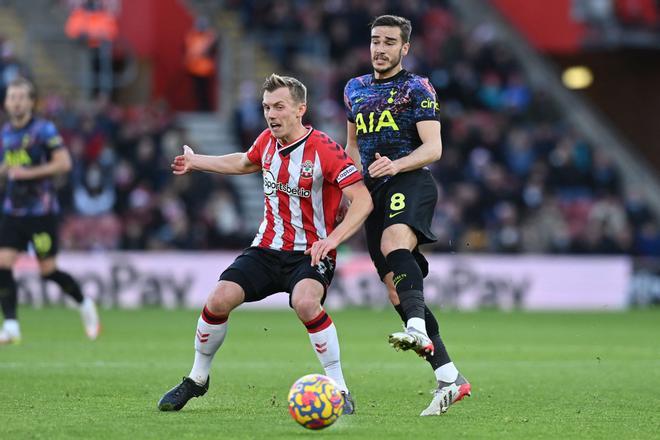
pixel 399 310
pixel 67 284
pixel 408 281
pixel 8 294
pixel 440 355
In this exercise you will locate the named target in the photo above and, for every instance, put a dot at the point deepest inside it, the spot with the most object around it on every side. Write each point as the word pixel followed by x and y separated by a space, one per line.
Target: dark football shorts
pixel 263 272
pixel 18 232
pixel 407 198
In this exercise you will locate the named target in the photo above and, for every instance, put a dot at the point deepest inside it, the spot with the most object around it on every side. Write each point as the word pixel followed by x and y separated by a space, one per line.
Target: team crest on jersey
pixel 307 169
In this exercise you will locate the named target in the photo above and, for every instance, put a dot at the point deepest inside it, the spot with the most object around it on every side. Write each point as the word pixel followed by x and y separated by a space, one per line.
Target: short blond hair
pixel 296 88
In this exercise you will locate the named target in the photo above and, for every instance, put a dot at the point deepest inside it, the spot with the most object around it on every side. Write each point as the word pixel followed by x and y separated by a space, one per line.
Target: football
pixel 315 402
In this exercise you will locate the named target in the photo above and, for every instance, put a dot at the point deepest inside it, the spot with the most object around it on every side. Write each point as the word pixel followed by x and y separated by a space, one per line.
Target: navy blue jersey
pixel 29 146
pixel 385 114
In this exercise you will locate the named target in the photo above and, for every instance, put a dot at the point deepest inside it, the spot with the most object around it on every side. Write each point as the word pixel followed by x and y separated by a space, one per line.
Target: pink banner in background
pixel 183 279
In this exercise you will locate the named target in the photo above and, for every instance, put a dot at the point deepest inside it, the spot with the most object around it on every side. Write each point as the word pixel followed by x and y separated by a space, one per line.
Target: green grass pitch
pixel 534 375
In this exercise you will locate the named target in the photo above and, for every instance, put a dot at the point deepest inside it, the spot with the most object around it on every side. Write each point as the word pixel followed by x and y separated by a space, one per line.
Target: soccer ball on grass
pixel 315 402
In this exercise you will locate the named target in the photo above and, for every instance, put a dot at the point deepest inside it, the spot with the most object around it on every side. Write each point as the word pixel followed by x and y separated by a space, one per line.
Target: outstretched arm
pixel 361 206
pixel 428 152
pixel 59 163
pixel 234 163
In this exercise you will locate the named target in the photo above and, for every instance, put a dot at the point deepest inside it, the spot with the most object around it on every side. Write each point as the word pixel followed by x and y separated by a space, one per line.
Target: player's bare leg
pixel 209 336
pixel 306 301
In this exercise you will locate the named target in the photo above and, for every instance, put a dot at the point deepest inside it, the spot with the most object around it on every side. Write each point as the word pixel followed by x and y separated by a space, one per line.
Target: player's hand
pixel 320 250
pixel 19 173
pixel 183 163
pixel 382 166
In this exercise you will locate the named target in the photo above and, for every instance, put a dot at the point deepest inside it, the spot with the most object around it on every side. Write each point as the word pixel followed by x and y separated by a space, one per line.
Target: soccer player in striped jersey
pixel 305 174
pixel 394 132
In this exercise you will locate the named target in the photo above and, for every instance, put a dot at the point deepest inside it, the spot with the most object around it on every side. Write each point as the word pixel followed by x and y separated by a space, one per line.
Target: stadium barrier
pixel 644 287
pixel 184 279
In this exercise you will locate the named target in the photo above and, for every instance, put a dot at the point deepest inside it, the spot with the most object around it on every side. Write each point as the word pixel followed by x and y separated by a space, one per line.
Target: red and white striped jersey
pixel 302 188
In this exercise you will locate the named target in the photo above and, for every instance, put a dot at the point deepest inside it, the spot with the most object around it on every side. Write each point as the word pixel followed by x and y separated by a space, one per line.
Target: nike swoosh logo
pixel 358 100
pixel 395 214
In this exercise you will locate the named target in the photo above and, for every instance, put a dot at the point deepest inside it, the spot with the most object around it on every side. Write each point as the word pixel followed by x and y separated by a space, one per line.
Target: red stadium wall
pixel 547 24
pixel 156 30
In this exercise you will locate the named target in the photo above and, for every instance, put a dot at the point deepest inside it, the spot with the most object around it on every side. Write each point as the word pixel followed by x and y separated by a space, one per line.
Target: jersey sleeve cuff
pixel 428 118
pixel 350 180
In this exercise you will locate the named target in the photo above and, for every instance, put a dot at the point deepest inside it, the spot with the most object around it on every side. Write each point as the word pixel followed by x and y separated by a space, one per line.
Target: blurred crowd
pixel 515 176
pixel 11 66
pixel 122 192
pixel 631 14
pixel 617 23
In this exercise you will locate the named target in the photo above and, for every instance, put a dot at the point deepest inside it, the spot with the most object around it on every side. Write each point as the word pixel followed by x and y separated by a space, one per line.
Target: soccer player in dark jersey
pixel 305 175
pixel 32 154
pixel 394 133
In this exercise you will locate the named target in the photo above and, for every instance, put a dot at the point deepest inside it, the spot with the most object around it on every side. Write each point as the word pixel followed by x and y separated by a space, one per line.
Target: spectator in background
pixel 647 241
pixel 10 67
pixel 638 12
pixel 545 229
pixel 95 26
pixel 605 176
pixel 223 215
pixel 200 59
pixel 248 115
pixel 95 195
pixel 91 23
